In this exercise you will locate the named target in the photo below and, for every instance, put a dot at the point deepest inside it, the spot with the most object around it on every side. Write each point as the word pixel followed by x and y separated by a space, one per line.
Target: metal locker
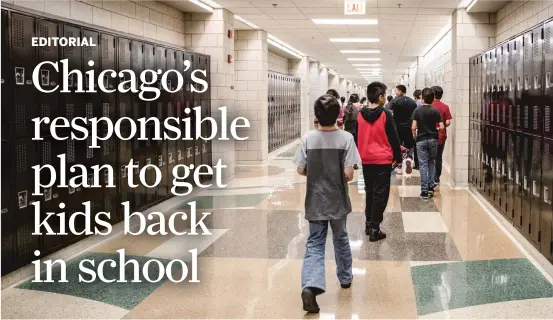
pixel 137 65
pixel 139 149
pixel 195 103
pixel 536 89
pixel 93 104
pixel 125 155
pixel 180 103
pixel 526 154
pixel 527 105
pixel 519 172
pixel 493 87
pixel 546 214
pixel 480 88
pixel 535 190
pixel 125 100
pixel 472 155
pixel 519 85
pixel 188 105
pixel 500 170
pixel 510 85
pixel 73 102
pixel 108 100
pixel 23 61
pixel 162 106
pixel 548 81
pixel 511 186
pixel 487 97
pixel 172 83
pixel 7 82
pixel 206 111
pixel 150 64
pixel 487 170
pixel 150 151
pixel 48 76
pixel 9 217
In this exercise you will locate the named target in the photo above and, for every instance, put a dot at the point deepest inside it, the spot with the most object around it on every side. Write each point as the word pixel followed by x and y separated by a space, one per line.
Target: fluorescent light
pixel 211 3
pixel 364 59
pixel 438 37
pixel 368 69
pixel 354 40
pixel 251 25
pixel 360 51
pixel 202 5
pixel 366 64
pixel 345 21
pixel 332 72
pixel 464 3
pixel 284 47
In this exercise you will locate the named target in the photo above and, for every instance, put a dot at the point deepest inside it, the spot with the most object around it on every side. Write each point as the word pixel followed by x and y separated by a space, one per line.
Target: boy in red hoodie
pixel 380 151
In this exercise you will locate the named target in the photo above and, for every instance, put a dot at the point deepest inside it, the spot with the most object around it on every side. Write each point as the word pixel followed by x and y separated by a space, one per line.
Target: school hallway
pixel 444 258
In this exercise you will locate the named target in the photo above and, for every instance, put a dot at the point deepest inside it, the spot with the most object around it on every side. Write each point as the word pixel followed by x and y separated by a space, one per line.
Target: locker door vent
pixel 21 156
pixel 88 52
pixel 23 243
pixel 547 40
pixel 89 150
pixel 45 112
pixel 20 118
pixel 535 47
pixel 70 150
pixel 69 49
pixel 526 46
pixel 46 152
pixel 545 153
pixel 89 109
pixel 536 112
pixel 106 147
pixel 547 119
pixel 107 204
pixel 122 56
pixel 18 32
pixel 69 111
pixel 44 32
pixel 105 109
pixel 105 47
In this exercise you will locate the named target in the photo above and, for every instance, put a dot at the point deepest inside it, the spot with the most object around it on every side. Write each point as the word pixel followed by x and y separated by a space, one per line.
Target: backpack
pixel 350 119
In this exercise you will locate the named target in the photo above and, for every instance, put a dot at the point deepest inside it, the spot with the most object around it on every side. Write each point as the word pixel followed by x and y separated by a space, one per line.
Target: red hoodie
pixel 377 139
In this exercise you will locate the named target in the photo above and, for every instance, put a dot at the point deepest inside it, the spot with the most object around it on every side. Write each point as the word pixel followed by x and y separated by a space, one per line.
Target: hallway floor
pixel 443 258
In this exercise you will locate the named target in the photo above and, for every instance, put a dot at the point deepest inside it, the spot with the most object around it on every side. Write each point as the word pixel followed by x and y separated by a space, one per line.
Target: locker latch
pixel 106 177
pixel 19 76
pixel 179 155
pixel 22 199
pixel 160 161
pixel 537 85
pixel 547 79
pixel 525 186
pixel 517 178
pixel 196 150
pixel 123 172
pixel 45 77
pixel 149 162
pixel 546 195
pixel 204 148
pixel 535 190
pixel 70 190
pixel 170 156
pixel 47 194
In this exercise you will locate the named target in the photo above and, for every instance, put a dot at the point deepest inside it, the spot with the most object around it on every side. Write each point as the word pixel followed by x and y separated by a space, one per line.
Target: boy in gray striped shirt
pixel 326 156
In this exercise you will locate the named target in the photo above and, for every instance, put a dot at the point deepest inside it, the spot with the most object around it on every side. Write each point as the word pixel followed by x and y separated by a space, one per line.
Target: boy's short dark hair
pixel 327 109
pixel 343 99
pixel 389 98
pixel 417 94
pixel 375 90
pixel 333 93
pixel 363 99
pixel 354 98
pixel 427 95
pixel 438 92
pixel 401 88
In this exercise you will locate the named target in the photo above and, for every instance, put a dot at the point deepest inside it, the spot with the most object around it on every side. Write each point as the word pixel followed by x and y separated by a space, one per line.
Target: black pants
pixel 439 161
pixel 377 190
pixel 416 158
pixel 406 137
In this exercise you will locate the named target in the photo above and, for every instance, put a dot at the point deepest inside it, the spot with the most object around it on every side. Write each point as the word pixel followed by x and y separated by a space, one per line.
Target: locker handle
pixel 546 195
pixel 547 79
pixel 535 190
pixel 536 82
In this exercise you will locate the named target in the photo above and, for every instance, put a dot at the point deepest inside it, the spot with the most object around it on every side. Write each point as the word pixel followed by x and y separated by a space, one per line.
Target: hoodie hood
pixel 371 115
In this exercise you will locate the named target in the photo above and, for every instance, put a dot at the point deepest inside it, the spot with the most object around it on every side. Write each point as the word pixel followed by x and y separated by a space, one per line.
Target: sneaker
pixel 408 166
pixel 308 297
pixel 345 285
pixel 399 171
pixel 424 195
pixel 431 192
pixel 376 235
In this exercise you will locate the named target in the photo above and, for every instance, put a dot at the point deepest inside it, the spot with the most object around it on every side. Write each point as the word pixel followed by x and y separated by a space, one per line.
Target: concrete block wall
pixel 208 33
pixel 251 84
pixel 343 91
pixel 278 63
pixel 334 82
pixel 148 19
pixel 300 68
pixel 518 16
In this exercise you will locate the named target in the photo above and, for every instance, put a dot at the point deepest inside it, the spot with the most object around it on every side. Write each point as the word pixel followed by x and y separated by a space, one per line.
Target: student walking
pixel 326 156
pixel 417 95
pixel 350 115
pixel 402 107
pixel 442 135
pixel 426 123
pixel 380 150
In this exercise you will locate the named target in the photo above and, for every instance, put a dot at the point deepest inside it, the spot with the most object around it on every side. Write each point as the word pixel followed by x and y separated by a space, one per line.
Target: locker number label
pixel 22 199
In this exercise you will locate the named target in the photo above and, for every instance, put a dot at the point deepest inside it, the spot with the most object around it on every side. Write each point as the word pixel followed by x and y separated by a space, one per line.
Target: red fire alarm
pixel 229 33
pixel 229 58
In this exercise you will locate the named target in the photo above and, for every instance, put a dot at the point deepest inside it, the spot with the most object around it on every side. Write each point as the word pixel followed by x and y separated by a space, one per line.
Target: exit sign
pixel 354 7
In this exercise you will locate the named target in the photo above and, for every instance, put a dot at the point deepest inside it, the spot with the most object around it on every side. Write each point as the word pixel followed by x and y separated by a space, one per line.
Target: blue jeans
pixel 313 270
pixel 427 151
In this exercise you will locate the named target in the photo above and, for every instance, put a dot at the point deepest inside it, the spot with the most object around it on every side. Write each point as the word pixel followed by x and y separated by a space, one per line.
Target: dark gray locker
pixel 519 87
pixel 196 102
pixel 527 105
pixel 125 100
pixel 180 103
pixel 108 100
pixel 93 103
pixel 9 219
pixel 510 85
pixel 163 104
pixel 172 82
pixel 548 81
pixel 73 102
pixel 526 154
pixel 23 61
pixel 546 218
pixel 472 155
pixel 139 148
pixel 150 152
pixel 206 126
pixel 125 155
pixel 207 102
pixel 188 105
pixel 49 77
pixel 511 186
pixel 137 65
pixel 535 190
pixel 519 172
pixel 536 90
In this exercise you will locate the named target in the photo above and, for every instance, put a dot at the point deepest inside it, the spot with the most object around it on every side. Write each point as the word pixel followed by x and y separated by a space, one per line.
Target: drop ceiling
pixel 404 31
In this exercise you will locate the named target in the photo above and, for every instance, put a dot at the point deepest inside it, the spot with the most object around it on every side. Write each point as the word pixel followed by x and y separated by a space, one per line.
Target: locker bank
pixel 481 247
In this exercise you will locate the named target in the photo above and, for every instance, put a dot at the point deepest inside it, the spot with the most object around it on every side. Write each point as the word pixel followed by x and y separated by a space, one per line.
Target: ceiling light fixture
pixel 471 5
pixel 354 40
pixel 360 51
pixel 246 22
pixel 364 59
pixel 201 5
pixel 345 21
pixel 272 40
pixel 366 64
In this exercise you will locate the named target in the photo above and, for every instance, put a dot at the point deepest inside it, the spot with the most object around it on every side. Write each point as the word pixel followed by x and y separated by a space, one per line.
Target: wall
pixel 277 63
pixel 518 16
pixel 148 19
